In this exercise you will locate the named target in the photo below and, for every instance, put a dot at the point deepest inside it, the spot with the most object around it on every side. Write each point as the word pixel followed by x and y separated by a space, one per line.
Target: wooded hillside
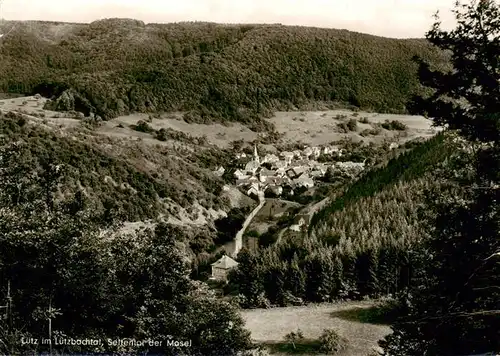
pixel 358 246
pixel 216 72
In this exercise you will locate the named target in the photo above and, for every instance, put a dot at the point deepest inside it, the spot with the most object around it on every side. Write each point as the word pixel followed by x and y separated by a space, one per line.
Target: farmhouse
pixel 287 156
pixel 270 158
pixel 302 162
pixel 320 167
pixel 316 174
pixel 297 154
pixel 238 174
pixel 295 172
pixel 280 172
pixel 303 181
pixel 300 221
pixel 263 172
pixel 307 152
pixel 221 268
pixel 242 181
pixel 316 151
pixel 279 165
pixel 253 191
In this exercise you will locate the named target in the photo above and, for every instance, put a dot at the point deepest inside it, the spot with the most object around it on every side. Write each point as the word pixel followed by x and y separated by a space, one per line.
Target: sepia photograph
pixel 250 178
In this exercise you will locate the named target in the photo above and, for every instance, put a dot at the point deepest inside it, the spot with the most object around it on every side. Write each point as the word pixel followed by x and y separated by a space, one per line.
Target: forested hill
pixel 357 246
pixel 212 71
pixel 409 166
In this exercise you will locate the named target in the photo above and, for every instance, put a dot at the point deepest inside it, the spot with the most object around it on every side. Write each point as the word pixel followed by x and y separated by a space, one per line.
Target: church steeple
pixel 255 154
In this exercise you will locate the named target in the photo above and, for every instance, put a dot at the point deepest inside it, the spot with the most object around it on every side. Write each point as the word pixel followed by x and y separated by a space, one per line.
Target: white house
pixel 300 221
pixel 253 191
pixel 221 268
pixel 279 165
pixel 238 174
pixel 331 149
pixel 316 151
pixel 297 154
pixel 280 172
pixel 307 152
pixel 287 156
pixel 264 174
pixel 304 181
pixel 270 158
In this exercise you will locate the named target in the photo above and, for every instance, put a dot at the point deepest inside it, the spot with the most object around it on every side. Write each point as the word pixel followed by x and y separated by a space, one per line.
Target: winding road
pixel 238 240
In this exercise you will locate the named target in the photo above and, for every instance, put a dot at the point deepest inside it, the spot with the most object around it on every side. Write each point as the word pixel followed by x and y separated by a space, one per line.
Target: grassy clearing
pixel 270 326
pixel 320 127
pixel 313 128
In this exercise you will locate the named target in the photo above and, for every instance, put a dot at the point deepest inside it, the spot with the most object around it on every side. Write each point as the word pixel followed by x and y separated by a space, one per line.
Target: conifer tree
pixel 454 309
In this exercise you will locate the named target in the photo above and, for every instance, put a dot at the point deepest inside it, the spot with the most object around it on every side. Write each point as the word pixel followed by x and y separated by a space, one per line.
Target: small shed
pixel 221 267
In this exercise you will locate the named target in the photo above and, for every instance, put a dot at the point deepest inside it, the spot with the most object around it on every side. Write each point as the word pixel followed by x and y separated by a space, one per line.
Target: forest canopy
pixel 212 72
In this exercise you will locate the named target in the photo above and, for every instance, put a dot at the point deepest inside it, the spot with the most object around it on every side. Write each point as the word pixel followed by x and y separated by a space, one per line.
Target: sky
pixel 388 18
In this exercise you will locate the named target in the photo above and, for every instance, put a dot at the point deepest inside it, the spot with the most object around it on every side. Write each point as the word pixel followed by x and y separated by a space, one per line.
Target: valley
pixel 303 139
pixel 249 189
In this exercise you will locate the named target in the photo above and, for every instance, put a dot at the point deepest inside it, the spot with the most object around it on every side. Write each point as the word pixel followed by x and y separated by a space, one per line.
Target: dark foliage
pixel 62 251
pixel 453 302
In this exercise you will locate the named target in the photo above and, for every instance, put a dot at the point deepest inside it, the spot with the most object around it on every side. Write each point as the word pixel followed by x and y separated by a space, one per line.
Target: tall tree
pixel 454 305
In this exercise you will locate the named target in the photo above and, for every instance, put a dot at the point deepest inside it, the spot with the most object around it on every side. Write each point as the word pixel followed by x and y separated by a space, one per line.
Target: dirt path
pixel 238 240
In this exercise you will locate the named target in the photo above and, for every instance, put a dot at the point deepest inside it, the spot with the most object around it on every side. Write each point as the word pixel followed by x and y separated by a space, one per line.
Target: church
pixel 252 166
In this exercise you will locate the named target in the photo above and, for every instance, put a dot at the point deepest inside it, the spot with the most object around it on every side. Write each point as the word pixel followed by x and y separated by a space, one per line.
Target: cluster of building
pixel 294 170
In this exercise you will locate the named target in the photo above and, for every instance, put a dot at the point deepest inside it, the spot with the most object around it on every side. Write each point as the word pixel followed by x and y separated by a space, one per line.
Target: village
pixel 287 171
pixel 273 174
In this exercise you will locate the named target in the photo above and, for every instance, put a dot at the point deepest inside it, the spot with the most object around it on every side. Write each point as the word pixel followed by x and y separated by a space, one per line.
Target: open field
pixel 309 127
pixel 320 127
pixel 269 326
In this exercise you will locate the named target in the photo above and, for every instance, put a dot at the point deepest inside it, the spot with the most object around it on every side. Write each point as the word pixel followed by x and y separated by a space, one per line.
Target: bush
pixel 252 233
pixel 294 337
pixel 342 126
pixel 364 120
pixel 394 125
pixel 78 115
pixel 352 125
pixel 143 126
pixel 331 342
pixel 376 130
pixel 161 134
